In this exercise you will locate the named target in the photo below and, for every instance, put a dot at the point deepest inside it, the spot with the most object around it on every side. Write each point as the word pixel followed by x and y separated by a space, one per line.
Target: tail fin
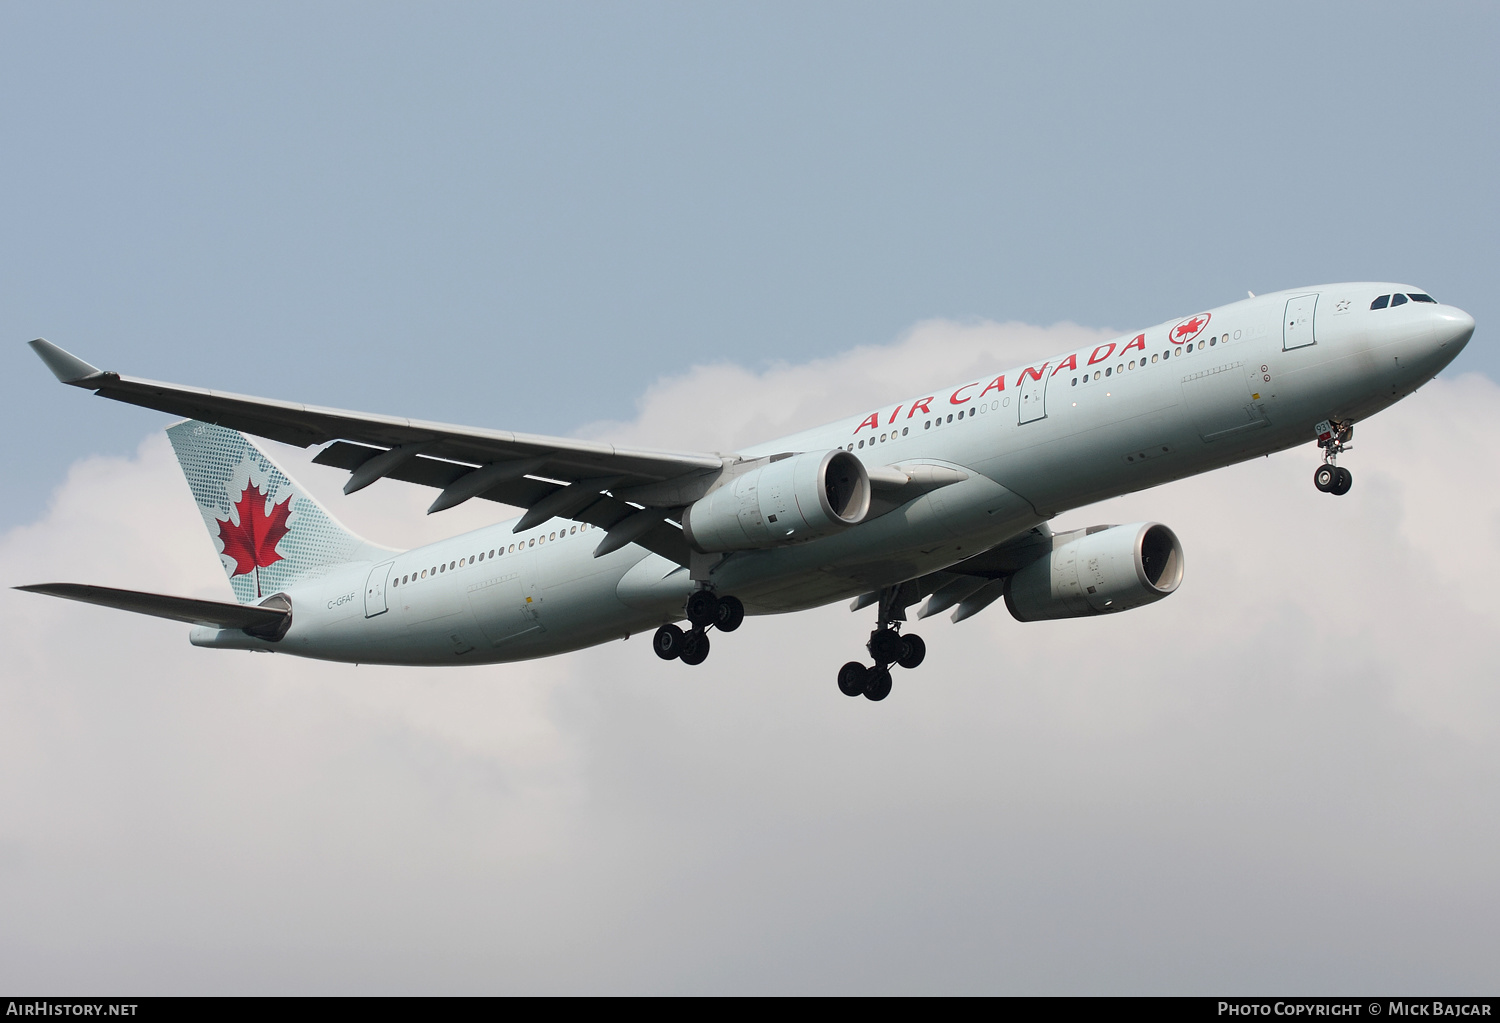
pixel 269 531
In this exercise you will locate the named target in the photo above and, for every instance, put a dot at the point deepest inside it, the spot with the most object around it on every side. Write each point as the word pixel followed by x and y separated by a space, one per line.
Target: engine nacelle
pixel 1098 570
pixel 788 500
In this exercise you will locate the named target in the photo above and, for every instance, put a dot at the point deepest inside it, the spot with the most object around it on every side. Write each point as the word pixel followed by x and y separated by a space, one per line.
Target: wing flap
pixel 606 511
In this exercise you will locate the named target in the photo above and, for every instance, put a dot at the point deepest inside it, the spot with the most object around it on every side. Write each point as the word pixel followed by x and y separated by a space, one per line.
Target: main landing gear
pixel 1333 438
pixel 887 646
pixel 704 610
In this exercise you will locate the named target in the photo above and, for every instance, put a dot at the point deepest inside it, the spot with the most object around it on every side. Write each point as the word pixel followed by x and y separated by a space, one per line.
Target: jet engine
pixel 1098 570
pixel 789 499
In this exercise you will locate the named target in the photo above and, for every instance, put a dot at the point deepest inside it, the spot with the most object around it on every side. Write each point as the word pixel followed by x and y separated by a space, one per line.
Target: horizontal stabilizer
pixel 269 622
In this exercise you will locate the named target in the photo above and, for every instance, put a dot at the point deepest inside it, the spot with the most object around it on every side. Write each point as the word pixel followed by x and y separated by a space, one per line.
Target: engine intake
pixel 788 500
pixel 1098 570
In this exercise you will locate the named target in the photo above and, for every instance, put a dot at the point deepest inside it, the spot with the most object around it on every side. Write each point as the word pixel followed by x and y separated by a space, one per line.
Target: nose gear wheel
pixel 1333 437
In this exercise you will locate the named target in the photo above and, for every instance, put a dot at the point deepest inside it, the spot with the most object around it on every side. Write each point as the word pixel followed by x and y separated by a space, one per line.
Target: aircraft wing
pixel 548 476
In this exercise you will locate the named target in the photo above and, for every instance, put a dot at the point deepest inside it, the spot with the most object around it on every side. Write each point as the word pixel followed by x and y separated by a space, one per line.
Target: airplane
pixel 944 498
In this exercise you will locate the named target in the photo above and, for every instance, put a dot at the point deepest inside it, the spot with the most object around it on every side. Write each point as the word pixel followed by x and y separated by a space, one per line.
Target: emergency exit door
pixel 1032 397
pixel 375 590
pixel 1298 329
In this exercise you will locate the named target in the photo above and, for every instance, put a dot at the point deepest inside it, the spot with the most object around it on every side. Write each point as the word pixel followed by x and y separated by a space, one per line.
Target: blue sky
pixel 522 215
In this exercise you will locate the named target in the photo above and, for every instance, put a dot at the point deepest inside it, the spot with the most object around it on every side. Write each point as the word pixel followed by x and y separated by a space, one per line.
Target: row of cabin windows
pixel 500 551
pixel 1127 366
pixel 1393 301
pixel 928 424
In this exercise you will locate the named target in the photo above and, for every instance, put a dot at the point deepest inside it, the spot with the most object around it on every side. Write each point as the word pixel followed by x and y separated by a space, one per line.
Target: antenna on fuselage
pixel 1250 293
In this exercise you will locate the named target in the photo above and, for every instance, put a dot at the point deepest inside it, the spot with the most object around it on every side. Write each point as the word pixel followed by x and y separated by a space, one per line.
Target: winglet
pixel 68 368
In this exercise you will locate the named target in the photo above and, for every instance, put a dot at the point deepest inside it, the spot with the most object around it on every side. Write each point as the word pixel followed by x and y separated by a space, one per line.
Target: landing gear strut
pixel 887 646
pixel 704 610
pixel 1333 437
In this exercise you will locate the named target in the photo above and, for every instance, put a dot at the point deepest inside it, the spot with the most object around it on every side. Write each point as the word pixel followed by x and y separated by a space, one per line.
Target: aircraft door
pixel 1032 400
pixel 375 590
pixel 1297 330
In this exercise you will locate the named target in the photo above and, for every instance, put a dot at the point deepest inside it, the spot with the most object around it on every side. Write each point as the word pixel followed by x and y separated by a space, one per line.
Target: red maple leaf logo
pixel 252 544
pixel 1188 328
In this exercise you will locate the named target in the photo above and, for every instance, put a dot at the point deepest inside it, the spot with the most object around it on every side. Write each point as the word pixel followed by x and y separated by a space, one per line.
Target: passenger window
pixel 572 530
pixel 861 443
pixel 1108 372
pixel 1422 298
pixel 927 425
pixel 531 542
pixel 1075 381
pixel 512 549
pixel 905 430
pixel 1153 358
pixel 1212 341
pixel 1200 346
pixel 882 438
pixel 471 559
pixel 1397 300
pixel 950 417
pixel 1381 302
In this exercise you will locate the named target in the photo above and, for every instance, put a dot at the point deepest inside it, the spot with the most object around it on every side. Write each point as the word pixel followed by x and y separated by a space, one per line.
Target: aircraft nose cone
pixel 1453 329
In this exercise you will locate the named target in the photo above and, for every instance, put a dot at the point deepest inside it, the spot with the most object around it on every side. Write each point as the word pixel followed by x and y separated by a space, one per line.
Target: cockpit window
pixel 1397 300
pixel 1381 302
pixel 1423 298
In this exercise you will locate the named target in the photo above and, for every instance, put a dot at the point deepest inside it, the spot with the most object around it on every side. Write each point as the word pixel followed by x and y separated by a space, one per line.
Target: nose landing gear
pixel 1333 437
pixel 1332 479
pixel 703 610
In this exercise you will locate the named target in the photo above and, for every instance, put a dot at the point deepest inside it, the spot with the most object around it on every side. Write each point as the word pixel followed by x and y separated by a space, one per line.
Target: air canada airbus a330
pixel 941 498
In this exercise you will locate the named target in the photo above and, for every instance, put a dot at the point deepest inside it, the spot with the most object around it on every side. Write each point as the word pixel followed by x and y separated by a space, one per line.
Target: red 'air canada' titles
pixel 1036 373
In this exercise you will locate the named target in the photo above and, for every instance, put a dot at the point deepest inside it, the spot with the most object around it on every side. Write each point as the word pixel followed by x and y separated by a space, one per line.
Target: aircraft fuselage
pixel 1148 407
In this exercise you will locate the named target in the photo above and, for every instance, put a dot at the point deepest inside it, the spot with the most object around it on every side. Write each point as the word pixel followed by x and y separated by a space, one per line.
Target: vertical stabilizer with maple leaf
pixel 268 531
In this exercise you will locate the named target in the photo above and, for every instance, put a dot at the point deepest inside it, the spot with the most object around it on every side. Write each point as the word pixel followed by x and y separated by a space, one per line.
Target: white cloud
pixel 1281 778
